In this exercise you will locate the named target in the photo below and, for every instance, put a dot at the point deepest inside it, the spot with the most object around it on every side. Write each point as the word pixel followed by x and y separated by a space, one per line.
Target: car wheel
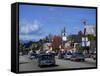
pixel 39 65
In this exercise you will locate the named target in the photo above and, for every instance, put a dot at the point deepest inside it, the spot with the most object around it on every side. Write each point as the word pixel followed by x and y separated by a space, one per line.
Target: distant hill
pixel 24 41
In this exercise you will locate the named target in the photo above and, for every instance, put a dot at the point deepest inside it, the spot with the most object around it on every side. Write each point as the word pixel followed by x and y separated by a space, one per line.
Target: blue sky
pixel 36 22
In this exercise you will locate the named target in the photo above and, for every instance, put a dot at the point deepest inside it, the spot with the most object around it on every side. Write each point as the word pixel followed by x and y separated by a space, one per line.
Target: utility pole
pixel 85 41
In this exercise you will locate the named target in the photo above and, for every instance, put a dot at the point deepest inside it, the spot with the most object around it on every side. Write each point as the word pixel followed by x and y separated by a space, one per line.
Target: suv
pixel 46 59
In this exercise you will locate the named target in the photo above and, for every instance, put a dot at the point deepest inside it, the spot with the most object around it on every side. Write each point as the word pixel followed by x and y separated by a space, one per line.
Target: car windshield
pixel 69 53
pixel 47 57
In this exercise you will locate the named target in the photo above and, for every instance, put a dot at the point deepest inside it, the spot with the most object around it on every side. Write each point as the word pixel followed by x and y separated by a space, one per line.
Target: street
pixel 25 64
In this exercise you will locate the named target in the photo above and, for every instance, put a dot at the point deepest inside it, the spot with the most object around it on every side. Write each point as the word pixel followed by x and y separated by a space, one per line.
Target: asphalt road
pixel 25 64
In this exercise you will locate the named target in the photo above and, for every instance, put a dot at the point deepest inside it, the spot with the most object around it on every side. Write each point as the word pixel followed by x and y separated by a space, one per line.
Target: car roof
pixel 45 54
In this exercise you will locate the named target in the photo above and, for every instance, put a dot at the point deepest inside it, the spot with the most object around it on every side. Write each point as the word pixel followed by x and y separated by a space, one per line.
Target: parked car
pixel 87 55
pixel 94 55
pixel 61 55
pixel 77 57
pixel 46 60
pixel 32 55
pixel 68 55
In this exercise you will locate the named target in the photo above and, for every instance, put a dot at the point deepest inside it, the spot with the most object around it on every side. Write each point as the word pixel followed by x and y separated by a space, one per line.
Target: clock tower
pixel 63 34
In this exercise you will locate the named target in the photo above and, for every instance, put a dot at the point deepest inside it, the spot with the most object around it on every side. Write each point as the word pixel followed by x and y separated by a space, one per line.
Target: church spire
pixel 64 31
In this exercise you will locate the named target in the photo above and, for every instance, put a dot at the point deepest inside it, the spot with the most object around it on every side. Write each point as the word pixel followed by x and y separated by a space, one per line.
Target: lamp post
pixel 85 41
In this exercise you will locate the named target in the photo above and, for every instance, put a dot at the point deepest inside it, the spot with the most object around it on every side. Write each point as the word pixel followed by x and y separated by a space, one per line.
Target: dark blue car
pixel 46 60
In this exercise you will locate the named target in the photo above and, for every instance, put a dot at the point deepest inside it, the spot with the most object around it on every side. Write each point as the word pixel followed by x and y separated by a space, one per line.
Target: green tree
pixel 91 37
pixel 79 48
pixel 21 47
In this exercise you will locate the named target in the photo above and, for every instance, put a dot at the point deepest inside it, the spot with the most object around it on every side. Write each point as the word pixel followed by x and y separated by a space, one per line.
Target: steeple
pixel 63 32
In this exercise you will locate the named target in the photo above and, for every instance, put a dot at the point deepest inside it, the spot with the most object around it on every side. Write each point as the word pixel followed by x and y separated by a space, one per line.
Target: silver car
pixel 67 56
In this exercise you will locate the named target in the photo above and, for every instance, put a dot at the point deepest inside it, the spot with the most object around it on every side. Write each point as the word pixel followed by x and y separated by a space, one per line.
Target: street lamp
pixel 85 41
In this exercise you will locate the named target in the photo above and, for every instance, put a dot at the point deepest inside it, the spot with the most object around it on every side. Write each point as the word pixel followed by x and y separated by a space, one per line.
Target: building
pixel 59 42
pixel 90 29
pixel 46 46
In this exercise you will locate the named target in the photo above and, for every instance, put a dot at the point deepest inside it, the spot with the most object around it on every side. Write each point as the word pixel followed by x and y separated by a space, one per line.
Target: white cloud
pixel 30 31
pixel 26 27
pixel 30 37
